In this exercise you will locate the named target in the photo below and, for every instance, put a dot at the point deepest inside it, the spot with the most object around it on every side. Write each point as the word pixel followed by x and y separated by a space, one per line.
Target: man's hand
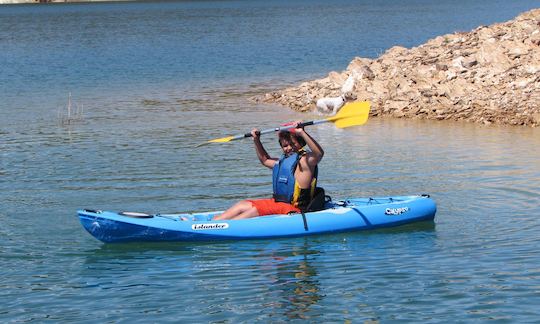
pixel 255 133
pixel 298 130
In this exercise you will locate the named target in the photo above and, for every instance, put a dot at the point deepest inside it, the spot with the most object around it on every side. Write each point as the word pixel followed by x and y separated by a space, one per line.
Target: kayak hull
pixel 347 215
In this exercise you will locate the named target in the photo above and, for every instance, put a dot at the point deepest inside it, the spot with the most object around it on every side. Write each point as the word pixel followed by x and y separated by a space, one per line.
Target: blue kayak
pixel 341 216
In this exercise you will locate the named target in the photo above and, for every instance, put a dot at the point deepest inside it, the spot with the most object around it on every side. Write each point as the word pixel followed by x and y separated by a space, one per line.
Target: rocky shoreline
pixel 490 75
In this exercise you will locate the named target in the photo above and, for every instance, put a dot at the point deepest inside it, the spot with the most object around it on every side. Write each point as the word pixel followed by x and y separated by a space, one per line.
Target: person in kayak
pixel 294 176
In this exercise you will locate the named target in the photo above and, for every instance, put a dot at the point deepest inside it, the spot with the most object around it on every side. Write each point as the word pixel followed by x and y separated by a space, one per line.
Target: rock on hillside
pixel 488 75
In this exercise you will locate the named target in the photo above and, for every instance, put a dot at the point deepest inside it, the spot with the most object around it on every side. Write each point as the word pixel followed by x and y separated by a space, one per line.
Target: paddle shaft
pixel 352 114
pixel 279 129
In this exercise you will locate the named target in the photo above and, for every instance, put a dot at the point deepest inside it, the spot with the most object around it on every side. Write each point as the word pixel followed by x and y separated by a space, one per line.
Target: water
pixel 157 78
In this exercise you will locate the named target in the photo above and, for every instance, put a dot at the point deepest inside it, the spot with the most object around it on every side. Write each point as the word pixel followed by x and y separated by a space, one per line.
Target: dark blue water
pixel 49 50
pixel 153 79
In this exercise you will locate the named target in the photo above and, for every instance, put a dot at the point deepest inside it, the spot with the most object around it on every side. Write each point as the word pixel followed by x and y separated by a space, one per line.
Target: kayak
pixel 340 216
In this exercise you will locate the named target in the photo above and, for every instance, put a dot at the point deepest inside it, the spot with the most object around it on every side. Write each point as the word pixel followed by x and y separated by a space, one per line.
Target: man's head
pixel 290 142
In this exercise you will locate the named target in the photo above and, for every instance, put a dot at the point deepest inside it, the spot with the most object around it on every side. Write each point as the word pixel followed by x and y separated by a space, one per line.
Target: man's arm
pixel 317 153
pixel 263 156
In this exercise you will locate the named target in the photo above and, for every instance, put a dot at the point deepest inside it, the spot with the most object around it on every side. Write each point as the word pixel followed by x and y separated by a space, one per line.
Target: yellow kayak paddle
pixel 352 114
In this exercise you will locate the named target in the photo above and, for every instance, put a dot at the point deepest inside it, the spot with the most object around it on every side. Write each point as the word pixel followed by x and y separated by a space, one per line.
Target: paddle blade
pixel 217 140
pixel 222 140
pixel 352 114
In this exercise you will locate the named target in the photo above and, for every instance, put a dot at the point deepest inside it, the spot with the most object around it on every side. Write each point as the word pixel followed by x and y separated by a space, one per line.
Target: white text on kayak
pixel 213 226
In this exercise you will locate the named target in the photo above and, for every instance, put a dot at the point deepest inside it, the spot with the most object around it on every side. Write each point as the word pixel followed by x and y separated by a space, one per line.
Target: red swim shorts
pixel 271 207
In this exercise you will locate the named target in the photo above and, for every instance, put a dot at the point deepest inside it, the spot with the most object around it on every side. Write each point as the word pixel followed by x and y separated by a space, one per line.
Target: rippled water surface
pixel 155 79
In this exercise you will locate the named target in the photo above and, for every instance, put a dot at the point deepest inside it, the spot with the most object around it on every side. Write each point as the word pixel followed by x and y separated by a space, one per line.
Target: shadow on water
pixel 426 226
pixel 106 252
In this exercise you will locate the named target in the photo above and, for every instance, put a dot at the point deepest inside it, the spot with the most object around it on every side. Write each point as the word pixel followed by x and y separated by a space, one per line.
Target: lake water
pixel 153 79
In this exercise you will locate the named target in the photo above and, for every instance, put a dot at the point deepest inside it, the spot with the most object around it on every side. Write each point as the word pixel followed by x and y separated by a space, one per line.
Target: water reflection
pixel 282 274
pixel 295 281
pixel 124 251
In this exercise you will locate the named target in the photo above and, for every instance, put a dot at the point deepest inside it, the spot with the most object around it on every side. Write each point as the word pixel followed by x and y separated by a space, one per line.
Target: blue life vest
pixel 283 181
pixel 284 184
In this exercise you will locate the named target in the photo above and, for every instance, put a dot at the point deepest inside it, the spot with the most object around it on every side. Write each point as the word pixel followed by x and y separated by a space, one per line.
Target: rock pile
pixel 488 75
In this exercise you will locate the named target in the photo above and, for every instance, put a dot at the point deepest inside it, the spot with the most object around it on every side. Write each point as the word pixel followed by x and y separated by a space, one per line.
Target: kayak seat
pixel 319 201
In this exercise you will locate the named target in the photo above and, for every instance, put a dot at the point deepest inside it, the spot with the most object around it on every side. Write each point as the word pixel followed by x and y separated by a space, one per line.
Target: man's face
pixel 287 147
